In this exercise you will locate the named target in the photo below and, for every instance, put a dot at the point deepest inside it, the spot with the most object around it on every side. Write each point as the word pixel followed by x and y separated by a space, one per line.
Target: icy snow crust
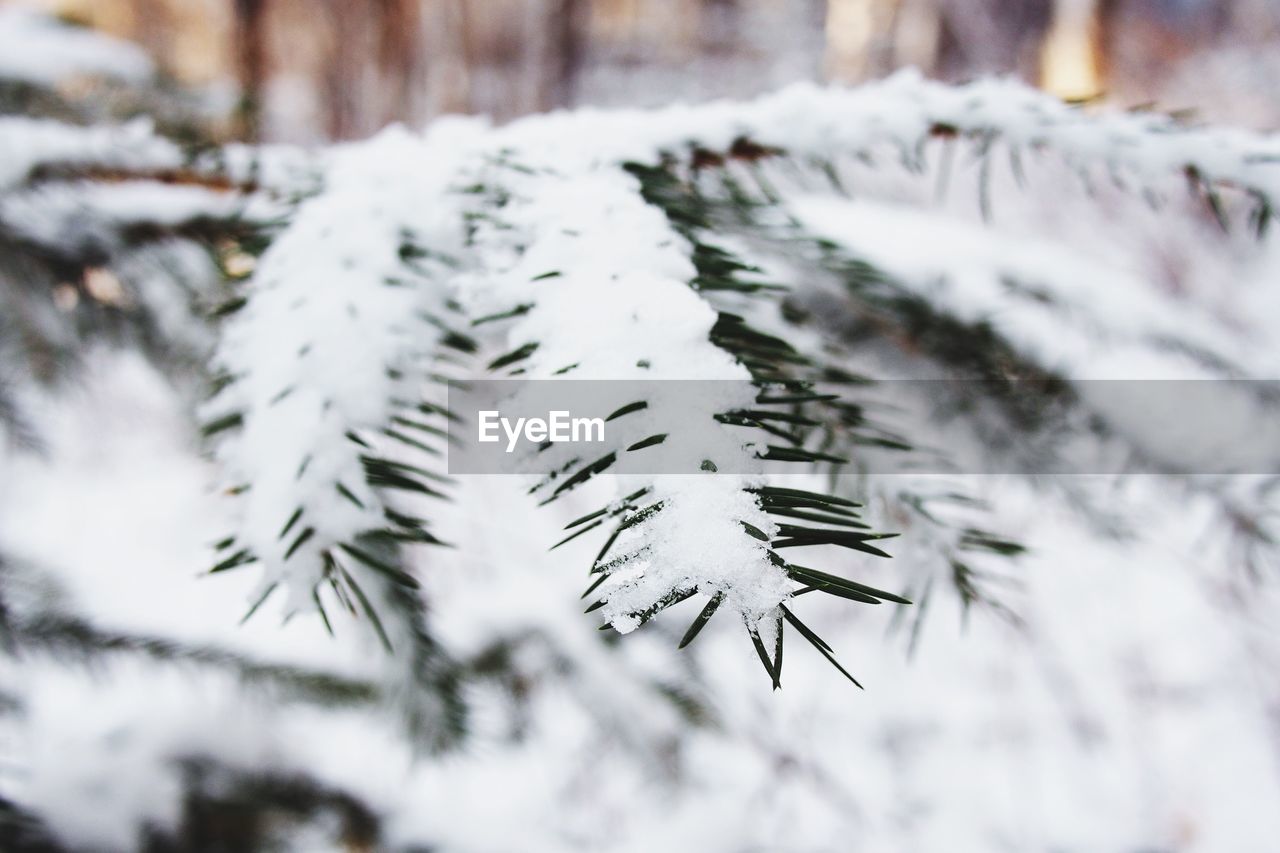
pixel 1108 726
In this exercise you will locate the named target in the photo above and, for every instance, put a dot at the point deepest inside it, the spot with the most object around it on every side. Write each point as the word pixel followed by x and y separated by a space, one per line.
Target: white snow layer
pixel 38 49
pixel 26 143
pixel 337 329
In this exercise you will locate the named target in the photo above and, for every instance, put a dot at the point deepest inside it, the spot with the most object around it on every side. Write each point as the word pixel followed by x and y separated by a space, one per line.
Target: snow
pixel 1091 320
pixel 1141 722
pixel 338 327
pixel 623 310
pixel 27 143
pixel 1136 707
pixel 900 111
pixel 628 300
pixel 37 49
pixel 79 216
pixel 312 361
pixel 696 541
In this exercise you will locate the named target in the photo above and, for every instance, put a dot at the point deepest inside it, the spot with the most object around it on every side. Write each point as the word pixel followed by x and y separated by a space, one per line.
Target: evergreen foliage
pixel 318 305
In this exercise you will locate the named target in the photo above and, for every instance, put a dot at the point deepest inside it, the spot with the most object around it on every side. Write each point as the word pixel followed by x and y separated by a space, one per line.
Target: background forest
pixel 339 70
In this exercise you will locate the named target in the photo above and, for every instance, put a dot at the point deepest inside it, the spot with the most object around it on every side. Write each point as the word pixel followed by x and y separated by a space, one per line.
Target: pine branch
pixel 642 581
pixel 371 445
pixel 229 808
pixel 537 233
pixel 846 428
pixel 72 638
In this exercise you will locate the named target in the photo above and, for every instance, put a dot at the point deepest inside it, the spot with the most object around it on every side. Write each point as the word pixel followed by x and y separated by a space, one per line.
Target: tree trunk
pixel 251 66
pixel 564 52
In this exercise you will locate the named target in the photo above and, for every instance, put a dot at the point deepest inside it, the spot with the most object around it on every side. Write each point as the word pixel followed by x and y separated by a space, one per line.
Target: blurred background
pixel 309 70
